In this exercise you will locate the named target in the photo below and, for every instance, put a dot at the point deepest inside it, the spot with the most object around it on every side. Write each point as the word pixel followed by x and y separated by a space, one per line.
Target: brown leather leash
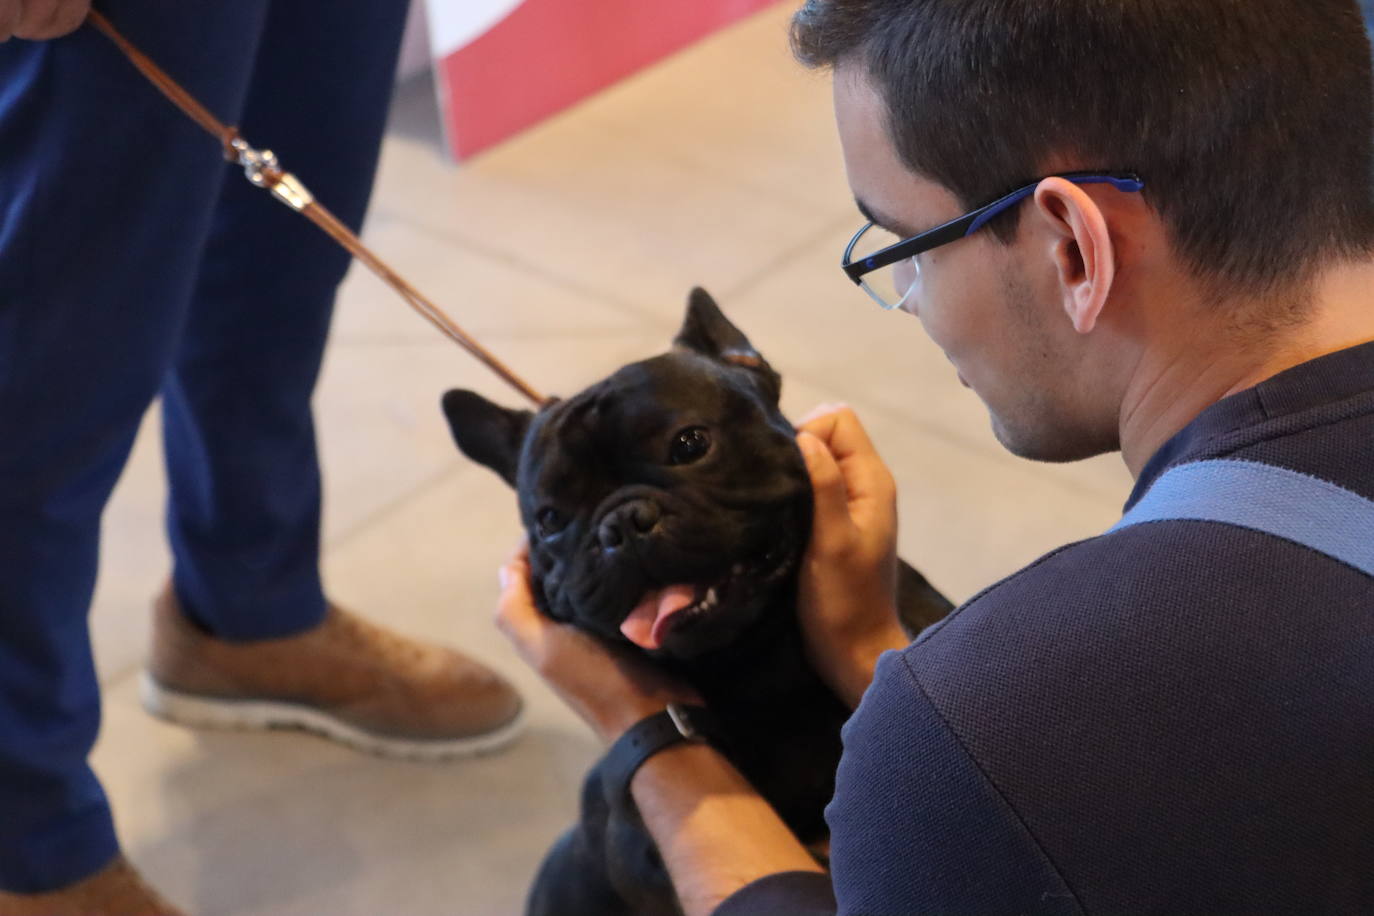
pixel 262 169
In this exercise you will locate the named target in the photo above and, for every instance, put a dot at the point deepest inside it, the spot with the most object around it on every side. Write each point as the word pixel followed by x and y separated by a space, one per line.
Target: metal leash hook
pixel 262 169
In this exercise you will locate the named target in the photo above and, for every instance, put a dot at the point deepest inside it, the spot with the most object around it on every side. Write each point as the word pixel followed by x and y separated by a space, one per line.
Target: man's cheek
pixel 939 327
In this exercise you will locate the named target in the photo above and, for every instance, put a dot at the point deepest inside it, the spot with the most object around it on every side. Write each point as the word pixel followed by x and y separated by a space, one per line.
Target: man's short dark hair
pixel 1249 120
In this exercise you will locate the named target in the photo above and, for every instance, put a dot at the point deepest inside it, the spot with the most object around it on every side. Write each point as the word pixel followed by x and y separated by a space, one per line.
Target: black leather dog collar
pixel 648 736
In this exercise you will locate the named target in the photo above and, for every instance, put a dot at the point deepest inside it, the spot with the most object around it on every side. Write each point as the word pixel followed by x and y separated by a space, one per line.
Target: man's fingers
pixel 34 16
pixel 10 14
pixel 841 431
pixel 71 14
pixel 831 526
pixel 516 614
pixel 820 410
pixel 867 478
pixel 40 20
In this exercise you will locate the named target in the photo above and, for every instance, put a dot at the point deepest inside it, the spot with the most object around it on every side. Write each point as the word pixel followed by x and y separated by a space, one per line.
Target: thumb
pixel 515 611
pixel 831 524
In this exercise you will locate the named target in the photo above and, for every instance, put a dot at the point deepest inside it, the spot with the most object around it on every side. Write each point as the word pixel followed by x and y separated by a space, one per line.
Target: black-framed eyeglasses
pixel 886 266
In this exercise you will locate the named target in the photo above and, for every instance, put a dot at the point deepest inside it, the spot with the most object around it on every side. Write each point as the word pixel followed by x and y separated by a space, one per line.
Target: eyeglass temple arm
pixel 1126 183
pixel 970 223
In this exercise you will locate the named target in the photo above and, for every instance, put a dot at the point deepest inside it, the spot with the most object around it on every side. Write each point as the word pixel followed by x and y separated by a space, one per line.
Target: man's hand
pixel 847 603
pixel 715 832
pixel 41 19
pixel 607 686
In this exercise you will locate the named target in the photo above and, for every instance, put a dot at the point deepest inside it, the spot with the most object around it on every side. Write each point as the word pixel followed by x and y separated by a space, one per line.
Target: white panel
pixel 455 23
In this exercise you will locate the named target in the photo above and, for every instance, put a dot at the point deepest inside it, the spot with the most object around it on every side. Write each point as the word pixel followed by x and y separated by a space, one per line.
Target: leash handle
pixel 262 169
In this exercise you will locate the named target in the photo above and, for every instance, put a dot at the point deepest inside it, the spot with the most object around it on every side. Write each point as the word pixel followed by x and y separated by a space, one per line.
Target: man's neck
pixel 1179 378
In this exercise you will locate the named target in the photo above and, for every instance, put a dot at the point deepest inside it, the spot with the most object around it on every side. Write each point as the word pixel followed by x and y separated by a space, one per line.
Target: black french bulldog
pixel 668 507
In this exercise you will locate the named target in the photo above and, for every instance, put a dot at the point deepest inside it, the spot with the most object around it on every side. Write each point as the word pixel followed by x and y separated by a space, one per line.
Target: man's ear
pixel 707 331
pixel 1082 248
pixel 487 433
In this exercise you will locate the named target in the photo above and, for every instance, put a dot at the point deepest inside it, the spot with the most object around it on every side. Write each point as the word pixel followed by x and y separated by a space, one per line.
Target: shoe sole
pixel 198 711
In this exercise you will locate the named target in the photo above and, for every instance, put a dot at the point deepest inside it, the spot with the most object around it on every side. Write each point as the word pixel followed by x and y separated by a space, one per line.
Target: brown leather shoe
pixel 346 679
pixel 115 890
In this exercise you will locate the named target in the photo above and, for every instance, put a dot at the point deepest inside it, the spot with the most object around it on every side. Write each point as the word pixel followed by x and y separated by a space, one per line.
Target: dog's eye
pixel 548 522
pixel 691 444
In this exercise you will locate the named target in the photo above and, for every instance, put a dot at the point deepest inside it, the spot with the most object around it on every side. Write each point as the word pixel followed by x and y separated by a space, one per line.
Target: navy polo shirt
pixel 1174 718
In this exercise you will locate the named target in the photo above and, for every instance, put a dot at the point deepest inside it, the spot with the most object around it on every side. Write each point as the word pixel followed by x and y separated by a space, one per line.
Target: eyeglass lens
pixel 891 284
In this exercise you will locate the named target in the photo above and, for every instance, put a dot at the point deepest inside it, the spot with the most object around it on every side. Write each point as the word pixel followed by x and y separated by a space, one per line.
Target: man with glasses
pixel 1142 226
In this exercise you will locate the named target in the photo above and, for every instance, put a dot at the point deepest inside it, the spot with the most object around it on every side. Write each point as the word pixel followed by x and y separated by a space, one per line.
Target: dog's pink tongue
pixel 646 623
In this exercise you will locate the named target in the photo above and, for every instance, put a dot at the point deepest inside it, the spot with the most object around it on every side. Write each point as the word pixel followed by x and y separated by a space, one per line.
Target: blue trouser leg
pixel 109 257
pixel 103 217
pixel 245 489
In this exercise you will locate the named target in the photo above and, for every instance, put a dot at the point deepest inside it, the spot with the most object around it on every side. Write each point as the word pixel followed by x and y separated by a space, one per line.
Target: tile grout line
pixel 457 238
pixel 365 342
pixel 120 676
pixel 537 270
pixel 689 164
pixel 892 415
pixel 380 515
pixel 787 254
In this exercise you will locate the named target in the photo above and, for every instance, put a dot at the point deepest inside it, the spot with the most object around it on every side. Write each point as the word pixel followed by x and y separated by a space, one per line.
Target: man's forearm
pixel 848 669
pixel 715 833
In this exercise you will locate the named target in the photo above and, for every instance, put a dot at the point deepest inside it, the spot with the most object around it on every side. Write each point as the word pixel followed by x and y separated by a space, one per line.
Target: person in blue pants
pixel 136 263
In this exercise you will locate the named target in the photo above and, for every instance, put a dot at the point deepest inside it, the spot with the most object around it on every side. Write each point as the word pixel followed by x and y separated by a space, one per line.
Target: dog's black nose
pixel 626 522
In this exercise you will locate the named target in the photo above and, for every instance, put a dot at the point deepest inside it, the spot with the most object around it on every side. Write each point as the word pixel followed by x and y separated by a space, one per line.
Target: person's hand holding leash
pixel 605 685
pixel 847 598
pixel 38 20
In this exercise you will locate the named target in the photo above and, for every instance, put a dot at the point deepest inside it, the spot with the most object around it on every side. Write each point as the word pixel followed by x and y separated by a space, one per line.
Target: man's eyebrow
pixel 878 219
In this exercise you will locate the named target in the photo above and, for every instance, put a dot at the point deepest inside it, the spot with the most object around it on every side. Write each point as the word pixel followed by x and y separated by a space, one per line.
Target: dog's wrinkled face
pixel 665 505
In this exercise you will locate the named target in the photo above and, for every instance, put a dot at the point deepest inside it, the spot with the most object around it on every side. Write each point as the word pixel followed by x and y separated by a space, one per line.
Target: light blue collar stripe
pixel 1293 506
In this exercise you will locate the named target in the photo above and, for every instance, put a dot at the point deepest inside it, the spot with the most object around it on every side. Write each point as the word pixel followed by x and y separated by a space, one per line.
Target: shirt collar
pixel 1323 380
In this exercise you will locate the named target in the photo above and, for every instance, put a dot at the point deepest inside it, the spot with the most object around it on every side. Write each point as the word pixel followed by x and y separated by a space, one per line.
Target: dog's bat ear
pixel 487 433
pixel 706 330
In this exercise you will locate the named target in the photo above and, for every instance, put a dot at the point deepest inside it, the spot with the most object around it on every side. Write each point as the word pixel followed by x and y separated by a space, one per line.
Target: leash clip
pixel 260 166
pixel 291 192
pixel 262 169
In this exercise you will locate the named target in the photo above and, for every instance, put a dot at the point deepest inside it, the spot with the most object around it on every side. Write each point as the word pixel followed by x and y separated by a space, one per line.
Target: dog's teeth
pixel 711 598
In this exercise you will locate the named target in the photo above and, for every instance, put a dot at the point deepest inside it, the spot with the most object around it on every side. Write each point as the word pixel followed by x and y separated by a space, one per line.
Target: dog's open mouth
pixel 676 608
pixel 665 608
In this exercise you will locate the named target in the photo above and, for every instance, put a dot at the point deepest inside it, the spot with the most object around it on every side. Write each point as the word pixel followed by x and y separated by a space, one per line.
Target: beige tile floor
pixel 569 250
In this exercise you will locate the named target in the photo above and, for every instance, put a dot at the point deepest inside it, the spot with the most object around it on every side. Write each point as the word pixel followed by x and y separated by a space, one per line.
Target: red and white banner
pixel 504 65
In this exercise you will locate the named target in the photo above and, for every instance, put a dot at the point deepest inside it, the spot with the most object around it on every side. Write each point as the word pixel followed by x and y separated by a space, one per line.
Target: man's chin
pixel 1046 443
